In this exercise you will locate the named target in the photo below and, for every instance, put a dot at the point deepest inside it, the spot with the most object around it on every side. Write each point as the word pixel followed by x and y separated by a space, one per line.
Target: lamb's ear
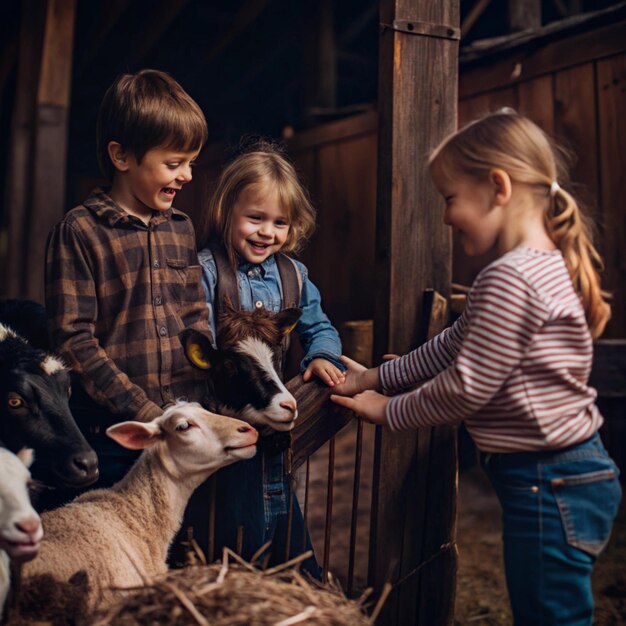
pixel 26 456
pixel 287 320
pixel 135 435
pixel 198 348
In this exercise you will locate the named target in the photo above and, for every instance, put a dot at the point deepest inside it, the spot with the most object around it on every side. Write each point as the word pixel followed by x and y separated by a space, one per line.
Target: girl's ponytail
pixel 571 232
pixel 510 141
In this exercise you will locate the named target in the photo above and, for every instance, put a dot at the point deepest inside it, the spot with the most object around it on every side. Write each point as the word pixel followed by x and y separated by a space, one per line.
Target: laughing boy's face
pixel 152 184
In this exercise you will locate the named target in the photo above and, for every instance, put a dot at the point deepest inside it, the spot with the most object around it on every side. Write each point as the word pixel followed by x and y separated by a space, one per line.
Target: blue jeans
pixel 558 508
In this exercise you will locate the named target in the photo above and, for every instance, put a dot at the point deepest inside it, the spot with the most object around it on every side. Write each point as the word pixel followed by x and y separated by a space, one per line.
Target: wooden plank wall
pixel 36 178
pixel 575 89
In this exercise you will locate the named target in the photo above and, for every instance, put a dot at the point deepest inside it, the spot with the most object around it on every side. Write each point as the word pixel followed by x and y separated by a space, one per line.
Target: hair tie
pixel 554 187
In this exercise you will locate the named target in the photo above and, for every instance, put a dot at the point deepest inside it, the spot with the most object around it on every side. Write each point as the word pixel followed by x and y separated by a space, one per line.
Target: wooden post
pixel 36 185
pixel 18 183
pixel 50 147
pixel 414 475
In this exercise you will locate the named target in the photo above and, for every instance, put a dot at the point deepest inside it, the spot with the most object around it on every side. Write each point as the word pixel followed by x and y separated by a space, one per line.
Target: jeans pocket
pixel 588 504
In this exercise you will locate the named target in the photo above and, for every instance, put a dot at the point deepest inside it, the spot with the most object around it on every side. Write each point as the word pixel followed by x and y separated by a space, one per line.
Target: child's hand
pixel 369 405
pixel 325 371
pixel 358 378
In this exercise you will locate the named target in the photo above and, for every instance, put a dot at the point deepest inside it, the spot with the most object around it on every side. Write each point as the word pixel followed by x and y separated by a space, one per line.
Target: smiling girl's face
pixel 260 224
pixel 472 212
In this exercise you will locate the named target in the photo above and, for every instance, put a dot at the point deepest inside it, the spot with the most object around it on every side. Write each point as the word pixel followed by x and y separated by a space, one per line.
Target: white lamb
pixel 20 526
pixel 120 536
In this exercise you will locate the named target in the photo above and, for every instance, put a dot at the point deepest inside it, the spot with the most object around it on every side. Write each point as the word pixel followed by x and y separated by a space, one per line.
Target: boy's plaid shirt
pixel 118 293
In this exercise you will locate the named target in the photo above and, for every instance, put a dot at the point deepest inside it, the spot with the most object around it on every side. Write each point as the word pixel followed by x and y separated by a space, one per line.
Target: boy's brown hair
pixel 146 110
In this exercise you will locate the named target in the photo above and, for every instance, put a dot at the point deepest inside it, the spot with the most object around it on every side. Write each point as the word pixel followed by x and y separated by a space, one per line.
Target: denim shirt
pixel 259 285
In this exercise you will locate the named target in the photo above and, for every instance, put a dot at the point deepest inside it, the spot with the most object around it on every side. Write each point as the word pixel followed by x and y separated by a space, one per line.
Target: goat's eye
pixel 15 402
pixel 181 426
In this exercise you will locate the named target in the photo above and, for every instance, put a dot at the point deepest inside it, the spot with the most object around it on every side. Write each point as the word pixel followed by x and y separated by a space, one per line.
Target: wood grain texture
pixel 611 90
pixel 417 108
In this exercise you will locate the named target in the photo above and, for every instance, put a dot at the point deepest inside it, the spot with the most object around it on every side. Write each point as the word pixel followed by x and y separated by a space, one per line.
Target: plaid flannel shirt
pixel 118 293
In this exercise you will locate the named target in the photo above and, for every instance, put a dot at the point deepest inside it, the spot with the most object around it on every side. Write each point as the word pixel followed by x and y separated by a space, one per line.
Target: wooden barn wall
pixel 337 164
pixel 575 89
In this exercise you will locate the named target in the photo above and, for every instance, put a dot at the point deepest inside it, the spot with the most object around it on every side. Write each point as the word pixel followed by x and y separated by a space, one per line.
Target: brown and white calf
pixel 242 372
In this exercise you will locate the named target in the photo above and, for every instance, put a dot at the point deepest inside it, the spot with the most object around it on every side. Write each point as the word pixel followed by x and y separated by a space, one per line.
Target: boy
pixel 122 274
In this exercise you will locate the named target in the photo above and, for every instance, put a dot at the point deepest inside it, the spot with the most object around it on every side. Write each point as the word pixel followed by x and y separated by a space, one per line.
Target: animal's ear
pixel 198 348
pixel 287 320
pixel 135 435
pixel 26 456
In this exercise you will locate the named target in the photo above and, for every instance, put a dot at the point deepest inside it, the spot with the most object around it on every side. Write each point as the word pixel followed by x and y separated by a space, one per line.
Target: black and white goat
pixel 35 413
pixel 242 373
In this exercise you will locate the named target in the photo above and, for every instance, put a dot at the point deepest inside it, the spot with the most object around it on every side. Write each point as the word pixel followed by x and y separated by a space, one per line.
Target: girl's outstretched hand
pixel 358 378
pixel 369 405
pixel 325 371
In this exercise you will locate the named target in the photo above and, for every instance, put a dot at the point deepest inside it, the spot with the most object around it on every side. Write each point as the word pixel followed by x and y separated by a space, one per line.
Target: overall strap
pixel 290 281
pixel 226 287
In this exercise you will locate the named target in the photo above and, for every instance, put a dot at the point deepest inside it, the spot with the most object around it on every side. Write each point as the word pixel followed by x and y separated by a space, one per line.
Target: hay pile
pixel 234 593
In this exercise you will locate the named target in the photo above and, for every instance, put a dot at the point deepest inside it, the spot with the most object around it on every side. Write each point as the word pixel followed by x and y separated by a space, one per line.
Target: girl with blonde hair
pixel 515 366
pixel 259 215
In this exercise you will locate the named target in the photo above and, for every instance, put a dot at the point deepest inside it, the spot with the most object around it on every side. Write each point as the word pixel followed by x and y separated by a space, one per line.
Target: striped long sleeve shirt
pixel 514 367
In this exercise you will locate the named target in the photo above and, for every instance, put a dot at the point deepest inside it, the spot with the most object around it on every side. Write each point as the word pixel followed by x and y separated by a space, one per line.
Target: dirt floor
pixel 481 592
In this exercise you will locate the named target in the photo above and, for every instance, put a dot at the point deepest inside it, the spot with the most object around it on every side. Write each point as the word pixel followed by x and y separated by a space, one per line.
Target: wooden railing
pixel 344 552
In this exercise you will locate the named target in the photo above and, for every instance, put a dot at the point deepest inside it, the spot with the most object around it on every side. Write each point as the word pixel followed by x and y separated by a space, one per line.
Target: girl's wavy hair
pixel 263 164
pixel 512 142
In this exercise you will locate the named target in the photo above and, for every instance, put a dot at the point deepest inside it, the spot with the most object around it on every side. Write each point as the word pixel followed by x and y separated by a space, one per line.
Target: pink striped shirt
pixel 514 367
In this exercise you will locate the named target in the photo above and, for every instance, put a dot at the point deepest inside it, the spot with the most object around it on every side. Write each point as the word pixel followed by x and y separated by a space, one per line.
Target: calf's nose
pixel 244 429
pixel 289 405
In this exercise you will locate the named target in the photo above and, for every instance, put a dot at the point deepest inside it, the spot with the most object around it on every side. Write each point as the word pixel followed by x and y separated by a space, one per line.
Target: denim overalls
pixel 254 494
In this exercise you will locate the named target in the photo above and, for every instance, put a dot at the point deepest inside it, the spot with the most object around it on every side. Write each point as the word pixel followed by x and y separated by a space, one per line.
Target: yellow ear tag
pixel 195 354
pixel 289 328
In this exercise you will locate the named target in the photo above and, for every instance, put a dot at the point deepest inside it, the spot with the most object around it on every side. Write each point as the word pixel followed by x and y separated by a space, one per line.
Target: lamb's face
pixel 201 441
pixel 20 526
pixel 190 441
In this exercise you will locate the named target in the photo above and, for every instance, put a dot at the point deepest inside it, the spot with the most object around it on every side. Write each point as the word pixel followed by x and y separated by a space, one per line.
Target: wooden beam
pixel 524 14
pixel 108 16
pixel 161 16
pixel 19 182
pixel 496 72
pixel 318 418
pixel 50 140
pixel 417 108
pixel 245 17
pixel 472 17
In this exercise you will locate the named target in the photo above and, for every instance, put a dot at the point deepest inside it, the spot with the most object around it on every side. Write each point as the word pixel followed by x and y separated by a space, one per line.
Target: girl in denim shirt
pixel 260 209
pixel 515 366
